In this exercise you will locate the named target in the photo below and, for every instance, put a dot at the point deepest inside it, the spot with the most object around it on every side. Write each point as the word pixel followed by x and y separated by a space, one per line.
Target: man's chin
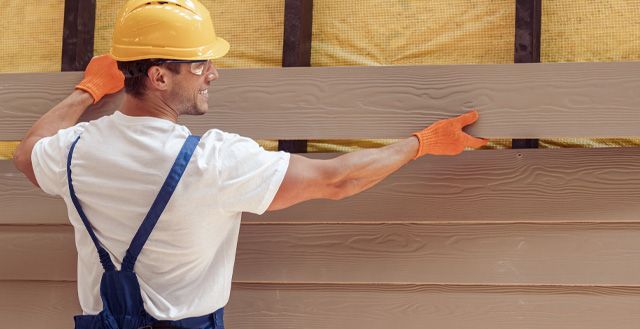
pixel 197 111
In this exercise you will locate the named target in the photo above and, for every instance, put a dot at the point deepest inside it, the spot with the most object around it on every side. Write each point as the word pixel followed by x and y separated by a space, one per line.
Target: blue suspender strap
pixel 160 203
pixel 102 253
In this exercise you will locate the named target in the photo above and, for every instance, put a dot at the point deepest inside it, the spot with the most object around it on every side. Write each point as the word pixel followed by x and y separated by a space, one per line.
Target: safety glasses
pixel 196 67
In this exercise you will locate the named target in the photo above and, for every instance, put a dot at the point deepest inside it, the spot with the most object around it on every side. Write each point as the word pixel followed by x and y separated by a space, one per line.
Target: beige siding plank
pixel 41 252
pixel 517 101
pixel 29 304
pixel 22 203
pixel 38 304
pixel 410 306
pixel 570 253
pixel 502 185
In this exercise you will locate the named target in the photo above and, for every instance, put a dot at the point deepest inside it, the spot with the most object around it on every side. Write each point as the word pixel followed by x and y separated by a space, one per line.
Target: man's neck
pixel 148 107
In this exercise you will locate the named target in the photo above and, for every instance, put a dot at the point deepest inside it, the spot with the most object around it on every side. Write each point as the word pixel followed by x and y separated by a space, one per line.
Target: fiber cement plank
pixel 45 304
pixel 568 253
pixel 38 304
pixel 503 185
pixel 415 306
pixel 547 100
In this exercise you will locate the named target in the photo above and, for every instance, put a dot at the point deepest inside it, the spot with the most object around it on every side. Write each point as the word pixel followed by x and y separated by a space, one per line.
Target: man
pixel 110 172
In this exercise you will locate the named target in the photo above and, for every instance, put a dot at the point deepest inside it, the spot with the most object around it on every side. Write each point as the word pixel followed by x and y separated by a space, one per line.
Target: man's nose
pixel 212 73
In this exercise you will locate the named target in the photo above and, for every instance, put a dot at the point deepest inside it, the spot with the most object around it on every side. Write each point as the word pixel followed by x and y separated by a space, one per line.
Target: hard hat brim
pixel 215 50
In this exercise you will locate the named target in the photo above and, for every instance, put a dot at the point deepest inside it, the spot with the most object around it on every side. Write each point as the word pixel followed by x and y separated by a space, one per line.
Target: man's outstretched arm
pixel 352 173
pixel 101 77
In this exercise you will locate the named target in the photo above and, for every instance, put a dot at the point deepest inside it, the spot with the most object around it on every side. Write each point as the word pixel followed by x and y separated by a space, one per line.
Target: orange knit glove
pixel 101 77
pixel 445 137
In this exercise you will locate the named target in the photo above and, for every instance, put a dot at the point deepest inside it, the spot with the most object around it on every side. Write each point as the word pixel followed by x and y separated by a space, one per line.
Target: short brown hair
pixel 135 74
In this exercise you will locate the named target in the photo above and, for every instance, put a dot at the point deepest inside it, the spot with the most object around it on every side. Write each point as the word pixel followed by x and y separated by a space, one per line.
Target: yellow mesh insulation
pixel 106 11
pixel 354 145
pixel 494 144
pixel 269 145
pixel 590 31
pixel 328 146
pixel 31 36
pixel 366 32
pixel 319 146
pixel 589 142
pixel 345 146
pixel 7 149
pixel 254 29
pixel 389 32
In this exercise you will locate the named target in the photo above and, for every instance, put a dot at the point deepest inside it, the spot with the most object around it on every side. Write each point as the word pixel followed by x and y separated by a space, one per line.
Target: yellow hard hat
pixel 168 29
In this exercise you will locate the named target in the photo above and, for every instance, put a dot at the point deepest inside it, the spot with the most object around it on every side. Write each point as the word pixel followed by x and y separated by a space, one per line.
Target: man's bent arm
pixel 101 77
pixel 64 115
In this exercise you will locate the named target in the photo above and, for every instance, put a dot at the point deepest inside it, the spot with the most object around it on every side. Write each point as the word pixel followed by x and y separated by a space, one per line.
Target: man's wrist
pixel 420 139
pixel 82 97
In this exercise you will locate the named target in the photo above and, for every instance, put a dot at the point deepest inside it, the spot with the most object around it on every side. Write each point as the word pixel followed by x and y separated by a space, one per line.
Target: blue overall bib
pixel 119 290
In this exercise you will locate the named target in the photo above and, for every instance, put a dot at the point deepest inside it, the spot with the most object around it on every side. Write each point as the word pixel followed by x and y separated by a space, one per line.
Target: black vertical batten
pixel 296 51
pixel 528 27
pixel 298 15
pixel 527 46
pixel 77 34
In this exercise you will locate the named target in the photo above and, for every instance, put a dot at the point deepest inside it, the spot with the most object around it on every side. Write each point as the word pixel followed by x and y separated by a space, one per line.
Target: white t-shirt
pixel 118 167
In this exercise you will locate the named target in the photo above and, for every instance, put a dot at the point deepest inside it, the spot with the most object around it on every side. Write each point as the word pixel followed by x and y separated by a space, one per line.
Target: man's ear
pixel 159 78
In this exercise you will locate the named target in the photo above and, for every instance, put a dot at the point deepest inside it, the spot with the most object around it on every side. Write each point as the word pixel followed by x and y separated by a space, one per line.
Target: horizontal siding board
pixel 504 185
pixel 569 253
pixel 441 253
pixel 411 306
pixel 501 185
pixel 516 101
pixel 39 252
pixel 23 203
pixel 28 304
pixel 38 304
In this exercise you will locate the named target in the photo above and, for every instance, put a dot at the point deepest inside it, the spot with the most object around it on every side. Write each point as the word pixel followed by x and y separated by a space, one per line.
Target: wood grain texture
pixel 447 307
pixel 502 185
pixel 32 304
pixel 38 304
pixel 575 253
pixel 442 253
pixel 548 100
pixel 38 253
pixel 22 203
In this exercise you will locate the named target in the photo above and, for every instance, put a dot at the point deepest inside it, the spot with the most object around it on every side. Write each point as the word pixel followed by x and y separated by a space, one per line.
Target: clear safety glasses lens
pixel 198 68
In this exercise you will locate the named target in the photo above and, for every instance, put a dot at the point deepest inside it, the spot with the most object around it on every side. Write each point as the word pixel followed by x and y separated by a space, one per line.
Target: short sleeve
pixel 49 159
pixel 249 175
